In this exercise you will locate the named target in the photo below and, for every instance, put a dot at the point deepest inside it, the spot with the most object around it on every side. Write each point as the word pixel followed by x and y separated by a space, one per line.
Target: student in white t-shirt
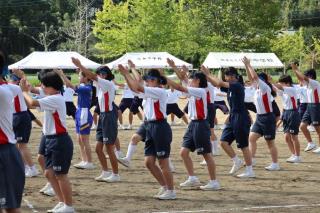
pixel 12 177
pixel 107 129
pixel 158 134
pixel 68 96
pixel 173 107
pixel 58 144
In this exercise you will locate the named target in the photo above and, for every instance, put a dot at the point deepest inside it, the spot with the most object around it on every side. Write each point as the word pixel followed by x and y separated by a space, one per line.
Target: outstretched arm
pixel 175 69
pixel 65 79
pixel 133 84
pixel 86 71
pixel 176 86
pixel 31 103
pixel 214 81
pixel 252 75
pixel 299 75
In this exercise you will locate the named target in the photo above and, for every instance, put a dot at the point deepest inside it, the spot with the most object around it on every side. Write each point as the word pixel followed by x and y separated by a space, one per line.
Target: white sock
pixel 249 168
pixel 212 181
pixel 192 178
pixel 235 159
pixel 105 172
pixel 131 150
pixel 170 163
pixel 115 174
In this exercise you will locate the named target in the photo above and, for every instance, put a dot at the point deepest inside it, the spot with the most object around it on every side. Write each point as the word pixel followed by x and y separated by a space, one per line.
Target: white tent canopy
pixel 217 60
pixel 52 60
pixel 148 60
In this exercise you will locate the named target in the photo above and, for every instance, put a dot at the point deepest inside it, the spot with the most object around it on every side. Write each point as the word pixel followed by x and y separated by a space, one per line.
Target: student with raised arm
pixel 197 136
pixel 83 118
pixel 58 144
pixel 265 124
pixel 312 114
pixel 158 134
pixel 107 130
pixel 290 116
pixel 238 125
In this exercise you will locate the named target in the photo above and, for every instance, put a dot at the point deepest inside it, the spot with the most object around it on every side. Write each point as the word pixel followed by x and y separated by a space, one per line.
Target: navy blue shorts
pixel 125 104
pixel 237 129
pixel 42 145
pixel 251 107
pixel 222 106
pixel 275 109
pixel 107 129
pixel 71 109
pixel 265 125
pixel 142 131
pixel 22 126
pixel 59 151
pixel 136 103
pixel 312 115
pixel 197 137
pixel 291 121
pixel 12 177
pixel 174 109
pixel 158 139
pixel 302 109
pixel 211 115
pixel 84 121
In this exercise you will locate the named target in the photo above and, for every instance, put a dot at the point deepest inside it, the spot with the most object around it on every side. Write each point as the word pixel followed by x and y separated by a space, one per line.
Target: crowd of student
pixel 156 96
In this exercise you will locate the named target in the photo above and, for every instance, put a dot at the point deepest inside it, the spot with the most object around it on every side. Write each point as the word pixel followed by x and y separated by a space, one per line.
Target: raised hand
pixel 59 72
pixel 18 73
pixel 123 70
pixel 171 62
pixel 131 64
pixel 246 61
pixel 25 87
pixel 76 62
pixel 294 66
pixel 205 70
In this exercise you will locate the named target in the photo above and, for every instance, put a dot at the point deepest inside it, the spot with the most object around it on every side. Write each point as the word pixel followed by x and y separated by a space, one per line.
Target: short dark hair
pixel 202 77
pixel 264 77
pixel 231 71
pixel 286 79
pixel 154 73
pixel 105 70
pixel 52 79
pixel 311 73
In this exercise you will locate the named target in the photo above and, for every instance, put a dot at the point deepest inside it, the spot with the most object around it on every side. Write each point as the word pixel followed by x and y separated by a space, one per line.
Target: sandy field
pixel 293 189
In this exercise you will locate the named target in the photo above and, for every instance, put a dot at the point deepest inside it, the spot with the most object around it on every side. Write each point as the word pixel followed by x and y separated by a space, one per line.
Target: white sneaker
pixel 290 158
pixel 294 159
pixel 254 162
pixel 65 209
pixel 236 166
pixel 93 127
pixel 122 127
pixel 32 172
pixel 46 187
pixel 124 162
pixel 168 195
pixel 211 186
pixel 317 151
pixel 223 126
pixel 104 175
pixel 311 128
pixel 49 192
pixel 203 163
pixel 88 165
pixel 310 147
pixel 119 154
pixel 129 127
pixel 216 127
pixel 112 178
pixel 58 206
pixel 195 183
pixel 171 167
pixel 280 129
pixel 247 174
pixel 161 191
pixel 79 165
pixel 273 167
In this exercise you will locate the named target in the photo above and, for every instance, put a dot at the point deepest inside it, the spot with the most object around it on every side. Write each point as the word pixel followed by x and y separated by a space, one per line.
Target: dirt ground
pixel 293 189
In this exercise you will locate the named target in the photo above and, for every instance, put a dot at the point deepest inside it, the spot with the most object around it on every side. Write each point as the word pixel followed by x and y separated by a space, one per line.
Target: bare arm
pixel 177 86
pixel 25 91
pixel 133 84
pixel 214 81
pixel 175 69
pixel 86 71
pixel 252 75
pixel 65 79
pixel 299 75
